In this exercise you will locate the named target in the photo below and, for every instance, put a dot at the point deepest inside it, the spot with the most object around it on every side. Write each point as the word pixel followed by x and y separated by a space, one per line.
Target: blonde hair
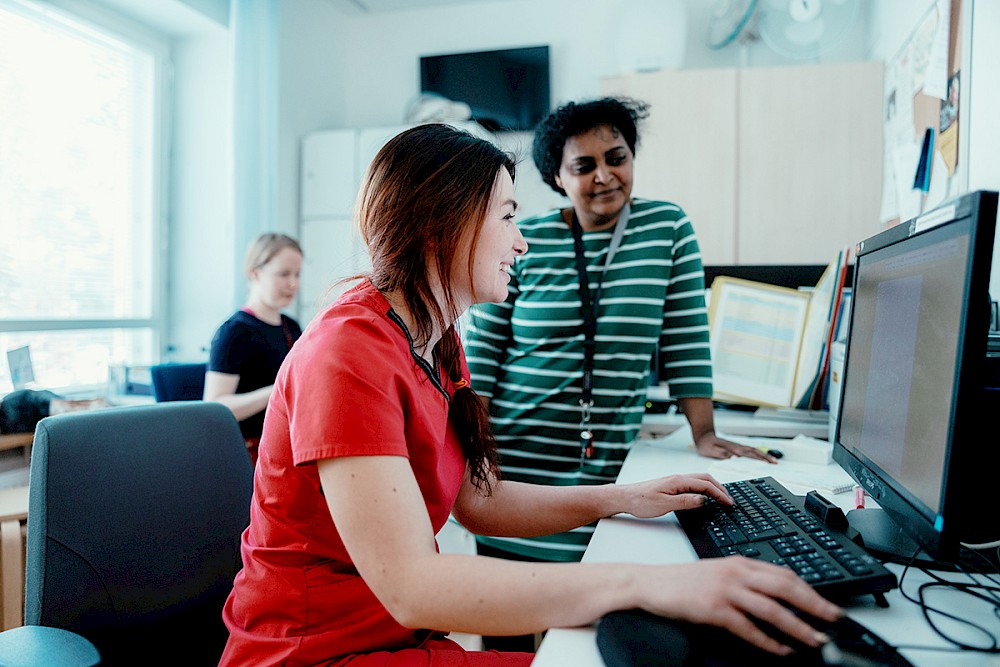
pixel 264 248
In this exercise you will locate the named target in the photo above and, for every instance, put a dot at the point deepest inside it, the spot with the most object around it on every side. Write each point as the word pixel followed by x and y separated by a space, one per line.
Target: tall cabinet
pixel 774 165
pixel 333 165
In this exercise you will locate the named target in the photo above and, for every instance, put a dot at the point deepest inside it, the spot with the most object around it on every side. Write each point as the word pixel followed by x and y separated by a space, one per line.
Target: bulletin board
pixel 921 104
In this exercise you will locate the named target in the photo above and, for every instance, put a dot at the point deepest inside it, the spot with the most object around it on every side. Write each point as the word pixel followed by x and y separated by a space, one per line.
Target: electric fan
pixel 731 19
pixel 804 29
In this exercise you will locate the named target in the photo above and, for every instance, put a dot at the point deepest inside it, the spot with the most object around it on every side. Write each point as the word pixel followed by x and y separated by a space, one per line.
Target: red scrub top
pixel 350 386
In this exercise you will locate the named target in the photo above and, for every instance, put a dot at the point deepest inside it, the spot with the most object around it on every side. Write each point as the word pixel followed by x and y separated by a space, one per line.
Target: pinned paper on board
pixel 936 74
pixel 922 92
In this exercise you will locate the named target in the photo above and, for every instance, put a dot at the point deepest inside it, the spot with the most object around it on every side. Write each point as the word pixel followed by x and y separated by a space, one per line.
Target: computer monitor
pixel 22 372
pixel 914 406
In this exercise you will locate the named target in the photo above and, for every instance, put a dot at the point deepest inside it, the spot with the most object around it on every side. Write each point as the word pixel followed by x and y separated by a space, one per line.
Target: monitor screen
pixel 22 372
pixel 913 382
pixel 506 89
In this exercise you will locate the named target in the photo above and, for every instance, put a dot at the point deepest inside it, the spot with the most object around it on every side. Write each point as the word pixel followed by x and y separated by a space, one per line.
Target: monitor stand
pixel 882 538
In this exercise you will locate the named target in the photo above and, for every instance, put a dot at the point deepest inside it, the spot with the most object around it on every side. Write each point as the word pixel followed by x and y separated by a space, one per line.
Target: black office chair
pixel 178 382
pixel 134 523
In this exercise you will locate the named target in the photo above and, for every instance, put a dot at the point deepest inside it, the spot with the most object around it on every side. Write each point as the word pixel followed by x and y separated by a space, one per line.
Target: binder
pixel 770 345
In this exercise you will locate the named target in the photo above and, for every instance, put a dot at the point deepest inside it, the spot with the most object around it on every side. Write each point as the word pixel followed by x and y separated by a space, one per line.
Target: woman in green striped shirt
pixel 645 284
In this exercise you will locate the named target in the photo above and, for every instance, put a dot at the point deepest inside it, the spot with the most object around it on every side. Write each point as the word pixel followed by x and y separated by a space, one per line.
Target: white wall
pixel 981 100
pixel 891 23
pixel 201 225
pixel 345 69
pixel 314 67
pixel 371 62
pixel 588 40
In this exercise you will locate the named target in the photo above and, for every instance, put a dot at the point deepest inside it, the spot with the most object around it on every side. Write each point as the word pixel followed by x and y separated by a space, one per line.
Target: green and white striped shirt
pixel 526 354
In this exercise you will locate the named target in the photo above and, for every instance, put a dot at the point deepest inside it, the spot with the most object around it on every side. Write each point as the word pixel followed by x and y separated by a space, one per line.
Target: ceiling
pixel 383 6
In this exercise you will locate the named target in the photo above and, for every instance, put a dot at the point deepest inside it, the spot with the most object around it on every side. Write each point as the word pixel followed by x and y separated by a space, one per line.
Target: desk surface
pixel 738 422
pixel 12 440
pixel 662 541
pixel 14 503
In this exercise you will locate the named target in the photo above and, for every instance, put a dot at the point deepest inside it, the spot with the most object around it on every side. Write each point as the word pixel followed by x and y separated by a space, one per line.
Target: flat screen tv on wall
pixel 506 89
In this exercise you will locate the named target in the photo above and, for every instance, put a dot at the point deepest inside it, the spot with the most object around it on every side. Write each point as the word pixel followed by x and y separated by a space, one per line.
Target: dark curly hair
pixel 575 118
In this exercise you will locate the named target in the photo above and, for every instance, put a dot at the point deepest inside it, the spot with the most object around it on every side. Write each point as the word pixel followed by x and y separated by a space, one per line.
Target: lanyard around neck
pixel 588 304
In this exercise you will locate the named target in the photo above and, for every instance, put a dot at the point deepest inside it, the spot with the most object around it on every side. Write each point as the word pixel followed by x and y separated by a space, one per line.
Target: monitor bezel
pixel 940 534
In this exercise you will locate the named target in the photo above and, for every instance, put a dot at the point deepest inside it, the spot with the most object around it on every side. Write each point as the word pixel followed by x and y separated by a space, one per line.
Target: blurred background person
pixel 248 348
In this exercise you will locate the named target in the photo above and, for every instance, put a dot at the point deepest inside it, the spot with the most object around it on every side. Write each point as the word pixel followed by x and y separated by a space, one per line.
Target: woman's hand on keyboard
pixel 668 494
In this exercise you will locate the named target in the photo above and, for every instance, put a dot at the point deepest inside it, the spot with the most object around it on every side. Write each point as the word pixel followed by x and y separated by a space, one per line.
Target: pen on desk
pixel 859 498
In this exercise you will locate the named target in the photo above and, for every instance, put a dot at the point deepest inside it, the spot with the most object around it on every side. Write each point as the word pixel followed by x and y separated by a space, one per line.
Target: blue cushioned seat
pixel 178 382
pixel 134 523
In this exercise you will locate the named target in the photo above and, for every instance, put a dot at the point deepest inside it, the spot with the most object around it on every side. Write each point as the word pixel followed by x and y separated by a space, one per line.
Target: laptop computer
pixel 22 373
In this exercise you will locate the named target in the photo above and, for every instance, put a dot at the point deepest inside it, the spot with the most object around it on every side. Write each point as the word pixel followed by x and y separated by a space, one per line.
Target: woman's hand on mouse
pixel 737 593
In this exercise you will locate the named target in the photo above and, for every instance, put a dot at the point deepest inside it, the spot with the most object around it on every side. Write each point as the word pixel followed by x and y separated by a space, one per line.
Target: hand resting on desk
pixel 712 446
pixel 700 415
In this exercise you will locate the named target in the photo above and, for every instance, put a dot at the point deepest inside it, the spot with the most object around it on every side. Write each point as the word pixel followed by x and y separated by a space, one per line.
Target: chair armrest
pixel 31 645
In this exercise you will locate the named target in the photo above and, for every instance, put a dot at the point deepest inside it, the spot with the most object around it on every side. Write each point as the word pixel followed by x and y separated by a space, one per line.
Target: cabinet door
pixel 810 161
pixel 370 142
pixel 687 149
pixel 331 251
pixel 329 173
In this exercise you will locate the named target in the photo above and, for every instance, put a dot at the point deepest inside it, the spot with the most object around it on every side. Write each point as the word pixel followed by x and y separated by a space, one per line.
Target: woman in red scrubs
pixel 373 436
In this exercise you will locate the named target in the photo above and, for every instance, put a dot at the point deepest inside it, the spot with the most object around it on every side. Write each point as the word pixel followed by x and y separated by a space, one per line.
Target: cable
pixel 987 592
pixel 985 545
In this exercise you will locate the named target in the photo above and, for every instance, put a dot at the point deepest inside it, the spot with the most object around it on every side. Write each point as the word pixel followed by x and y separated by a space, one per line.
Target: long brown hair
pixel 427 190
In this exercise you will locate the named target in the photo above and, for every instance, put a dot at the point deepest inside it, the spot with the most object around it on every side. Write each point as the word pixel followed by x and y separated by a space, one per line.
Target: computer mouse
pixel 636 638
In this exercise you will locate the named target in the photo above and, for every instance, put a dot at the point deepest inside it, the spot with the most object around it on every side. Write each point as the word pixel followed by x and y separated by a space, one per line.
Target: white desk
pixel 737 422
pixel 121 400
pixel 662 541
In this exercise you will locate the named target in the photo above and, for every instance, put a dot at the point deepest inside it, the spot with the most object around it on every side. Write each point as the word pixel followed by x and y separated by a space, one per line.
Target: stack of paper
pixel 800 478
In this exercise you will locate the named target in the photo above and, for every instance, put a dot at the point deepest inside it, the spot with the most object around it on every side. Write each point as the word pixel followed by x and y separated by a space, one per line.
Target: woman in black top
pixel 248 348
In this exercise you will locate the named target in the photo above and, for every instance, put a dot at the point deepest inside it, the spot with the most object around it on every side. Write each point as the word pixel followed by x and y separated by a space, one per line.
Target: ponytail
pixel 470 418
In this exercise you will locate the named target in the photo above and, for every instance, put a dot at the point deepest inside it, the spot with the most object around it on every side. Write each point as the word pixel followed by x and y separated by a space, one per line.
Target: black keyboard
pixel 772 524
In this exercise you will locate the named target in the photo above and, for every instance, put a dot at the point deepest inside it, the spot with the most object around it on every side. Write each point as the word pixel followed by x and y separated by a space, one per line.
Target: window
pixel 79 196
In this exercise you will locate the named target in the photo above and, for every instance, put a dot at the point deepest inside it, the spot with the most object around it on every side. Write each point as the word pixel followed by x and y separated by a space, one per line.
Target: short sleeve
pixel 229 350
pixel 341 387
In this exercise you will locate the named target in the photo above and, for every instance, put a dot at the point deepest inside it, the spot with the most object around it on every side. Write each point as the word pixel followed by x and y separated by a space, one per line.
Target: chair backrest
pixel 134 523
pixel 178 382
